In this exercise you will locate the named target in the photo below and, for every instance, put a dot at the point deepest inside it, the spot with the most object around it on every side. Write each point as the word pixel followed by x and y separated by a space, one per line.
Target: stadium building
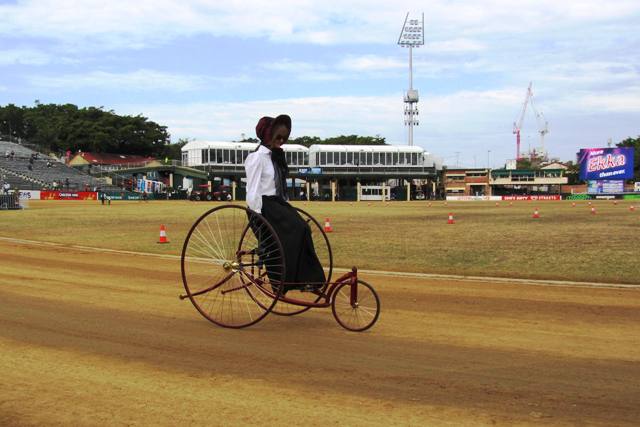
pixel 326 172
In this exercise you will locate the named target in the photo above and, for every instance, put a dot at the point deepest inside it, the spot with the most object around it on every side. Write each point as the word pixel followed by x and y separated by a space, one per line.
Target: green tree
pixel 635 144
pixel 58 128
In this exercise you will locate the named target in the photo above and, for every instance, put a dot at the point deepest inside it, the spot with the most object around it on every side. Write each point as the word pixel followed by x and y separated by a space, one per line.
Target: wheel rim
pixel 323 251
pixel 220 260
pixel 360 316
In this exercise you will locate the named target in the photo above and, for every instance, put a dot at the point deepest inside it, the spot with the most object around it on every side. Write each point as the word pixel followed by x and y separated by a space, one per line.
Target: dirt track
pixel 90 339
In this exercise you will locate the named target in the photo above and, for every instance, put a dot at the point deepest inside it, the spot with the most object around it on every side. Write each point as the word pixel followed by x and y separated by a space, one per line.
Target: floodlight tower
pixel 412 35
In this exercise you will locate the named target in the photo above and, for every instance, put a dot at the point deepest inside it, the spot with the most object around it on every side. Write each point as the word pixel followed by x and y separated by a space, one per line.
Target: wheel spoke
pixel 218 248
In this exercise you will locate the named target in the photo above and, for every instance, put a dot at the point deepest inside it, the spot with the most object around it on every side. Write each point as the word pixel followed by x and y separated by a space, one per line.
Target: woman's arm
pixel 253 169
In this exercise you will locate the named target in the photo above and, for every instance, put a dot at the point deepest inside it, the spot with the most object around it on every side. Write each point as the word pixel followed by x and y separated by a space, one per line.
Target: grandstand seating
pixel 17 172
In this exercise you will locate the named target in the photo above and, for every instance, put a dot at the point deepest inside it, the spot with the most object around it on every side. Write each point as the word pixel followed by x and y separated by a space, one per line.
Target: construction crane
pixel 518 125
pixel 543 129
pixel 543 125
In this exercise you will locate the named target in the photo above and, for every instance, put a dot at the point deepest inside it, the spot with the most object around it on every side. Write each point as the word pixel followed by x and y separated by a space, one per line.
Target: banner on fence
pixel 29 194
pixel 472 198
pixel 68 195
pixel 534 197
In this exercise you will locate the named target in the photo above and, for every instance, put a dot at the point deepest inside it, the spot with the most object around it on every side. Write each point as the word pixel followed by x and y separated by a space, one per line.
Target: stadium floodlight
pixel 412 35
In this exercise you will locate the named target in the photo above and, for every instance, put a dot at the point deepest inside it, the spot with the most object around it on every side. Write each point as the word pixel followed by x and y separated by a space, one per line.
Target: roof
pixel 109 158
pixel 201 145
pixel 555 165
pixel 366 148
pixel 197 145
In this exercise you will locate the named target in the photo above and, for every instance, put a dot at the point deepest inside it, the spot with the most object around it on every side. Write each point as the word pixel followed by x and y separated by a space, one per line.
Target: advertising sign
pixel 29 194
pixel 536 197
pixel 68 195
pixel 606 163
pixel 310 171
pixel 636 187
pixel 473 198
pixel 605 186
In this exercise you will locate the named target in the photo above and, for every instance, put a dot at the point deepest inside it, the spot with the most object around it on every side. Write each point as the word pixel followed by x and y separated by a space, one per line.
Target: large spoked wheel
pixel 355 307
pixel 325 256
pixel 232 259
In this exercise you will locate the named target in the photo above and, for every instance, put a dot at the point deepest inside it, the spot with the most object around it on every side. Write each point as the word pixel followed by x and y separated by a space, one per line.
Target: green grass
pixel 566 243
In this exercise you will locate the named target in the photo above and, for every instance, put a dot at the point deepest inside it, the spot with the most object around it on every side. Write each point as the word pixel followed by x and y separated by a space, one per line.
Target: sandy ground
pixel 102 339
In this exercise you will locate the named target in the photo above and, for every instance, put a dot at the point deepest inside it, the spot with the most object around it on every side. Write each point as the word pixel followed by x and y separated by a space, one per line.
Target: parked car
pixel 223 192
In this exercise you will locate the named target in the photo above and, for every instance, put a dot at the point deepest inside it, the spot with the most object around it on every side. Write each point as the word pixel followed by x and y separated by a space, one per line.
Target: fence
pixel 9 201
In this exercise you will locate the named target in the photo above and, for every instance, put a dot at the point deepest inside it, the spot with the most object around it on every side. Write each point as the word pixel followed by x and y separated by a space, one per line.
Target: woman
pixel 267 172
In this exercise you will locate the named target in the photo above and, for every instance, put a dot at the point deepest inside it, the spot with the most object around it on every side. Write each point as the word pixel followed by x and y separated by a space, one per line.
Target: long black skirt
pixel 302 266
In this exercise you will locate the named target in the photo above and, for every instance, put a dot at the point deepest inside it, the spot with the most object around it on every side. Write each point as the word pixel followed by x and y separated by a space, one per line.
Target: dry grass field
pixel 566 243
pixel 92 331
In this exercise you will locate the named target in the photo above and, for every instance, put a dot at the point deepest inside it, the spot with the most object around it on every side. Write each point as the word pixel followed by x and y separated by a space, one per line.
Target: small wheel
pixel 357 312
pixel 221 255
pixel 325 256
pixel 208 197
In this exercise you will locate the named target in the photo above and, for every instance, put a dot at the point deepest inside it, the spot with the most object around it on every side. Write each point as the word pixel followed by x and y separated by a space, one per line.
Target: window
pixel 343 158
pixel 394 159
pixel 350 158
pixel 388 159
pixel 185 158
pixel 323 158
pixel 369 159
pixel 205 156
pixel 233 157
pixel 218 156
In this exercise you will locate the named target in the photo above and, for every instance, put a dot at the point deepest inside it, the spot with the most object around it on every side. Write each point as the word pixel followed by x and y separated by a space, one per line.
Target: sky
pixel 208 70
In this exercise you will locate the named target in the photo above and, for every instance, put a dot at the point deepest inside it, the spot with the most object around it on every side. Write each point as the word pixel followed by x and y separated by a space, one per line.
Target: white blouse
pixel 260 177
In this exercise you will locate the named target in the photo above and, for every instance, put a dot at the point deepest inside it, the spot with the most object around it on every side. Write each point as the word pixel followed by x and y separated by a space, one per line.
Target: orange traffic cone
pixel 632 208
pixel 163 235
pixel 450 220
pixel 497 204
pixel 593 210
pixel 510 203
pixel 536 214
pixel 327 226
pixel 615 202
pixel 573 204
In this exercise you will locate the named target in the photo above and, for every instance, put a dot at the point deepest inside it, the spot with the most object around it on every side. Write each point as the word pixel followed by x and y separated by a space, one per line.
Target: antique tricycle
pixel 233 265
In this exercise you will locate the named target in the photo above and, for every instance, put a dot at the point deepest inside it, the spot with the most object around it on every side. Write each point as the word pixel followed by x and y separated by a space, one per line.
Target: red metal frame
pixel 351 276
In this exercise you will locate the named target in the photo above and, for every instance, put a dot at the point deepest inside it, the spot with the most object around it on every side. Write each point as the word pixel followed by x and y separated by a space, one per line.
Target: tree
pixel 59 128
pixel 635 144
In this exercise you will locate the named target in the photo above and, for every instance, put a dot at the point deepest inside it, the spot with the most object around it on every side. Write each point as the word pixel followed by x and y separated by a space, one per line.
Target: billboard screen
pixel 605 186
pixel 606 163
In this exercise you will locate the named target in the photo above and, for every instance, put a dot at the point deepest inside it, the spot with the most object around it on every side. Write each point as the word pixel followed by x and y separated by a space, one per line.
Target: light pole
pixel 412 35
pixel 488 163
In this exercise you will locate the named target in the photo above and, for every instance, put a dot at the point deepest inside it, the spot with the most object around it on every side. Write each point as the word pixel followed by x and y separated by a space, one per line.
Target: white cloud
pixel 24 56
pixel 133 24
pixel 455 46
pixel 139 80
pixel 367 63
pixel 627 101
pixel 471 122
pixel 330 116
pixel 303 70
